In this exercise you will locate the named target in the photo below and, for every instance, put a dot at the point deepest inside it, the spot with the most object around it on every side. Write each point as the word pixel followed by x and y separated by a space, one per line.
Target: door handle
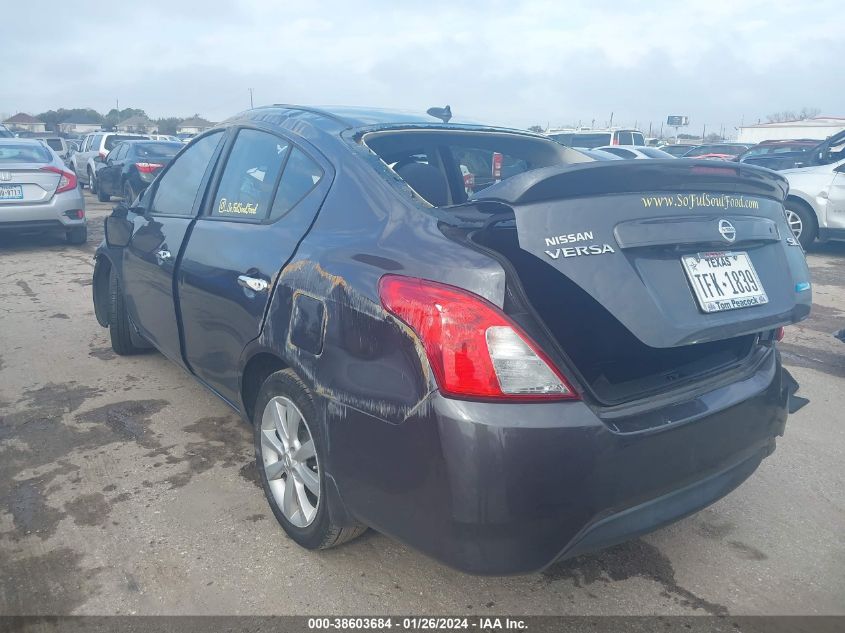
pixel 254 284
pixel 163 255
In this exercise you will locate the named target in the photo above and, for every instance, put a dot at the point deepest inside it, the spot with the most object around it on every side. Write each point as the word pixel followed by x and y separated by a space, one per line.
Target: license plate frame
pixel 17 189
pixel 723 280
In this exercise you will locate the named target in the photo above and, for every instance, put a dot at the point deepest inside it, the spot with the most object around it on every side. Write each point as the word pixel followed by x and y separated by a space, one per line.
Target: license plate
pixel 11 192
pixel 724 280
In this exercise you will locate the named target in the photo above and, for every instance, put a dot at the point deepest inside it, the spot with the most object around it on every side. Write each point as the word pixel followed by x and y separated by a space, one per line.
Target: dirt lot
pixel 125 487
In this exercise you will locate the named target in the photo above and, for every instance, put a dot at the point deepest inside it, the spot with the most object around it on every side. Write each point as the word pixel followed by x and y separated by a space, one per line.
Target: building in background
pixel 819 127
pixel 24 122
pixel 138 124
pixel 194 125
pixel 78 127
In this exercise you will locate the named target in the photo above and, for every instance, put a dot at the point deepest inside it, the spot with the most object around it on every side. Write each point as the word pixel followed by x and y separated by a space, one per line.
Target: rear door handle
pixel 254 284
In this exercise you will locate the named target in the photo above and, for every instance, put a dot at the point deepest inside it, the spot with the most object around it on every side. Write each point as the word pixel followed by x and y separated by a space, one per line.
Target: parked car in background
pixel 164 137
pixel 596 138
pixel 38 193
pixel 399 344
pixel 96 144
pixel 815 207
pixel 5 132
pixel 717 151
pixel 677 149
pixel 779 155
pixel 635 151
pixel 131 166
pixel 59 145
pixel 185 137
pixel 598 154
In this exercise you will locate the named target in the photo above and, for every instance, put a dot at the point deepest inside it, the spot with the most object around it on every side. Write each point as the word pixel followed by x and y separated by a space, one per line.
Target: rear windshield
pixel 653 152
pixel 17 153
pixel 114 139
pixel 55 143
pixel 448 166
pixel 158 150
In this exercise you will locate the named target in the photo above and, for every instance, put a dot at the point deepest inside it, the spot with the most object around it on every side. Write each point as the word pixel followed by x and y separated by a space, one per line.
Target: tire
pixel 307 519
pixel 128 193
pixel 802 221
pixel 92 184
pixel 119 326
pixel 78 235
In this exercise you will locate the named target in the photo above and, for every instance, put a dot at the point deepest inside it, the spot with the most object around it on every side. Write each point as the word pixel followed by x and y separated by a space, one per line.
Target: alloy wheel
pixel 795 223
pixel 290 462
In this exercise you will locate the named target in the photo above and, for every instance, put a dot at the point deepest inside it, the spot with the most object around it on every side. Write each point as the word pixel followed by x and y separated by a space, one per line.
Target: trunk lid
pixel 28 180
pixel 619 232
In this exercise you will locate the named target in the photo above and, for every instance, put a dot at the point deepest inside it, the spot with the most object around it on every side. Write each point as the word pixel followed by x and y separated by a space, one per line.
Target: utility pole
pixel 611 120
pixel 250 99
pixel 703 132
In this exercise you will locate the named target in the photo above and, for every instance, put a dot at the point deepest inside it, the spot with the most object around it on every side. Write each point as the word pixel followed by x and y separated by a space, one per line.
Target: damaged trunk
pixel 644 287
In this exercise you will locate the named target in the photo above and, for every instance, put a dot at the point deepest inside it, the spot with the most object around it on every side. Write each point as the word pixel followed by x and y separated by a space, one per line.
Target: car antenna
pixel 444 114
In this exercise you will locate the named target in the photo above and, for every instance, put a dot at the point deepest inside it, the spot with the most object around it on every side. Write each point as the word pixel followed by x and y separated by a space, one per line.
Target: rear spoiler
pixel 635 176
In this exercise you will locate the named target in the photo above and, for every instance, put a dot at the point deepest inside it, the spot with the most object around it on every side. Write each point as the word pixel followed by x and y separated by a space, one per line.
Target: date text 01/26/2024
pixel 484 623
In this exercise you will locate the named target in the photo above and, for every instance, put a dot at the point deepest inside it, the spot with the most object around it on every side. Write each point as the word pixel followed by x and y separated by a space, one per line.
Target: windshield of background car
pixel 156 150
pixel 465 162
pixel 114 139
pixel 19 153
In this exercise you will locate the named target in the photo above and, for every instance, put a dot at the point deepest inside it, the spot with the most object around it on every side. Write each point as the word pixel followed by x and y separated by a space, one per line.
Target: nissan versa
pixel 475 340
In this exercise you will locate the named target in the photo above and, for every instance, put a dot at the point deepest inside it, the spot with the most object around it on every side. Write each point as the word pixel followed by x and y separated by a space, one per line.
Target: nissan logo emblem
pixel 727 230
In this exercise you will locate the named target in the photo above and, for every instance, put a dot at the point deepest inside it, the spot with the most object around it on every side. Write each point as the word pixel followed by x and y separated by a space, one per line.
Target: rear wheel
pixel 128 193
pixel 289 452
pixel 78 235
pixel 119 327
pixel 802 221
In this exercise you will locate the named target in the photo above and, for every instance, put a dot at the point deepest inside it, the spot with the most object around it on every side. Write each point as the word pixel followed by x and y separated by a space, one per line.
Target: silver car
pixel 38 193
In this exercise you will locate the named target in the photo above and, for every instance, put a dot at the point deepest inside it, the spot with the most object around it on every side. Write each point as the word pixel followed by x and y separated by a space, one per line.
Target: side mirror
pixel 118 228
pixel 840 169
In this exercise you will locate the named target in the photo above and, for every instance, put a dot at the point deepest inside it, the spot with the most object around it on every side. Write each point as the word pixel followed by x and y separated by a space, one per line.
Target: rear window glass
pixel 625 138
pixel 447 167
pixel 639 139
pixel 14 153
pixel 114 139
pixel 590 140
pixel 160 150
pixel 55 143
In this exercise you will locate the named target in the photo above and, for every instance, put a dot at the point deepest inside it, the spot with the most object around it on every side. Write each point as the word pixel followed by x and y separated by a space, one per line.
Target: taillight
pixel 779 333
pixel 103 154
pixel 148 168
pixel 67 179
pixel 474 349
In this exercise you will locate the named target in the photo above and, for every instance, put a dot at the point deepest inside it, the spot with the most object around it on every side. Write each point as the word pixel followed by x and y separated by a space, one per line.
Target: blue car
pixel 473 339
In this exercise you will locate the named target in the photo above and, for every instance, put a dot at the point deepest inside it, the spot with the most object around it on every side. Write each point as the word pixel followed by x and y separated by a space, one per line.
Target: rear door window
pixel 590 140
pixel 178 187
pixel 250 176
pixel 55 143
pixel 300 176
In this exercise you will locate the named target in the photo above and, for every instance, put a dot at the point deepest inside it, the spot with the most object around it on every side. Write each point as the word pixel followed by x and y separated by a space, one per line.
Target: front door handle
pixel 254 284
pixel 163 255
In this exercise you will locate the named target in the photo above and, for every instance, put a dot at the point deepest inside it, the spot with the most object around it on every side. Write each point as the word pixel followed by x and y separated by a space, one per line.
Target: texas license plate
pixel 724 280
pixel 11 192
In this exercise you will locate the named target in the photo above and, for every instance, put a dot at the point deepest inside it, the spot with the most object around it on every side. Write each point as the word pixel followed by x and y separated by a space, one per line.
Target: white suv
pixel 590 138
pixel 96 144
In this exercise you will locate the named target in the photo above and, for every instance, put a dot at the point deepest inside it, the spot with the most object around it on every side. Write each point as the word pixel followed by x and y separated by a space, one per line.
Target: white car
pixel 635 152
pixel 815 207
pixel 164 137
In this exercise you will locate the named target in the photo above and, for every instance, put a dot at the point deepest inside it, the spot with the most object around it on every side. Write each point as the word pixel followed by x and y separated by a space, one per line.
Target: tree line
pixel 52 118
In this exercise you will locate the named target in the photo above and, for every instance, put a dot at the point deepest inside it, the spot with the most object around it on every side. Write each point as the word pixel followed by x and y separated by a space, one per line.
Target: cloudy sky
pixel 506 62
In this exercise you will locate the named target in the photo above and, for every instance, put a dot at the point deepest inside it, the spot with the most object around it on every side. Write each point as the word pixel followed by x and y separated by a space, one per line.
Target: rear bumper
pixel 504 489
pixel 45 216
